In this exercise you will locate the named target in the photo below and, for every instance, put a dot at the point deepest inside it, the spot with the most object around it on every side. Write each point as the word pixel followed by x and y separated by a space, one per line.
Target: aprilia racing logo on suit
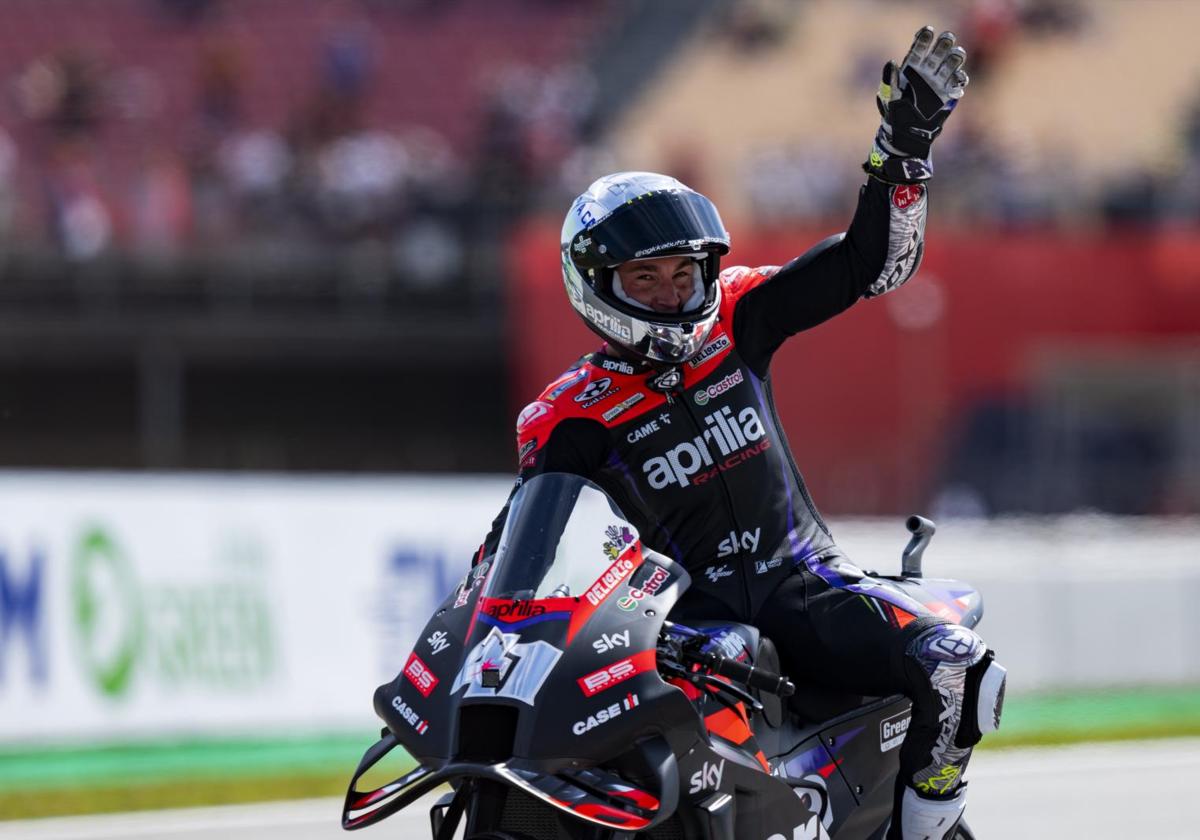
pixel 727 438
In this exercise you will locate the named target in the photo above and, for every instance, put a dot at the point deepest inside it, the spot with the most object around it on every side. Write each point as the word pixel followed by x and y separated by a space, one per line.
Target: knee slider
pixel 956 658
pixel 986 680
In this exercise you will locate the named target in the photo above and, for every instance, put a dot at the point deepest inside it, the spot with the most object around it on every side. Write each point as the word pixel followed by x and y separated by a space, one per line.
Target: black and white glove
pixel 914 100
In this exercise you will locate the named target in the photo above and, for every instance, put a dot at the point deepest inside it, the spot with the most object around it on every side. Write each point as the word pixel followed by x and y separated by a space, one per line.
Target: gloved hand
pixel 914 101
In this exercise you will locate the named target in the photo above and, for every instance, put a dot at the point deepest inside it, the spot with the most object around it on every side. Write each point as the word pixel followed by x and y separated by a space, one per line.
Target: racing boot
pixel 922 818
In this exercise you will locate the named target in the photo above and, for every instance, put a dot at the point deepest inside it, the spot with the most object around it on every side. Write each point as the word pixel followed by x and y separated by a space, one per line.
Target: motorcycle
pixel 553 695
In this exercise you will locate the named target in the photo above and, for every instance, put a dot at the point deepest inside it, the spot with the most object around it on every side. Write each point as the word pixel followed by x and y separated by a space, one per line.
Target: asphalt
pixel 1098 791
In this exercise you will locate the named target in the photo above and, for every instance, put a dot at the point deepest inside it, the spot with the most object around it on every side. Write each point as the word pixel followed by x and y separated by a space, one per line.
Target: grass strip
pixel 130 777
pixel 1100 715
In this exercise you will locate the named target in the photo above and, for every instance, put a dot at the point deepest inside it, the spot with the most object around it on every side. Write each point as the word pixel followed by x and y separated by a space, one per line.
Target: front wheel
pixel 501 835
pixel 963 832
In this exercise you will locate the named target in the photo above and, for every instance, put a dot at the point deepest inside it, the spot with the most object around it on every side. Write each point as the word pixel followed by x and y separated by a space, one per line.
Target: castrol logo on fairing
pixel 727 441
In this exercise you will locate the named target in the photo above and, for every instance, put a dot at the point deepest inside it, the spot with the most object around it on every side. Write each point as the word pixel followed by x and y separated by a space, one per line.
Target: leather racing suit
pixel 701 465
pixel 697 459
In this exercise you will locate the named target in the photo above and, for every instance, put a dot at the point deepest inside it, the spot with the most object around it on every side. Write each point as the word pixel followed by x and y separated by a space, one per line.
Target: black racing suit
pixel 703 469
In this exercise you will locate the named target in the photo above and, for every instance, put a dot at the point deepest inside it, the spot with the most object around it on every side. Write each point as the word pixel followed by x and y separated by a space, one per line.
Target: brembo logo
pixel 728 438
pixel 608 321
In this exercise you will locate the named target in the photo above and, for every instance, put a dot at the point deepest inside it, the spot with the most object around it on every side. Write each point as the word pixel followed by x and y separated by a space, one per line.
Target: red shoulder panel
pixel 737 280
pixel 608 397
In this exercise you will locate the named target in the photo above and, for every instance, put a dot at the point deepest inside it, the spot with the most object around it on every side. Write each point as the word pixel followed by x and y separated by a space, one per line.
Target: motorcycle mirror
pixel 922 531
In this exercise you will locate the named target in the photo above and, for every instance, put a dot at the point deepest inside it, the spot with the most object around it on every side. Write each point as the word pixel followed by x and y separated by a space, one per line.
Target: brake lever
pixel 734 689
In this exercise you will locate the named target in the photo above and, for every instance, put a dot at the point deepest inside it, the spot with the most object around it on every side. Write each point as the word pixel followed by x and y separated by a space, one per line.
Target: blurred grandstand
pixel 321 234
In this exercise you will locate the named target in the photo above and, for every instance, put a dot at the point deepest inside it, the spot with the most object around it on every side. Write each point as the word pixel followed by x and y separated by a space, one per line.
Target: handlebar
pixel 749 675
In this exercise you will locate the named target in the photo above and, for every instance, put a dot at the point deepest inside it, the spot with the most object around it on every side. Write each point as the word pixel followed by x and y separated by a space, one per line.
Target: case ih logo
pixel 418 674
pixel 410 715
pixel 733 438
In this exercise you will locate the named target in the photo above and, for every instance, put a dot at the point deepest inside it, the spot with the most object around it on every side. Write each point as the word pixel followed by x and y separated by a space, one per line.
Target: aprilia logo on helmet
pixel 732 439
pixel 608 321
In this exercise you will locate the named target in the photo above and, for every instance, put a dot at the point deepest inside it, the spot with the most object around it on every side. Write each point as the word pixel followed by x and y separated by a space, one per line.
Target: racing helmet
pixel 642 215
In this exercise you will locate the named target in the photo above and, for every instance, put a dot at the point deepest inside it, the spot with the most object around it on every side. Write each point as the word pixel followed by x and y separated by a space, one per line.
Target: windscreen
pixel 563 533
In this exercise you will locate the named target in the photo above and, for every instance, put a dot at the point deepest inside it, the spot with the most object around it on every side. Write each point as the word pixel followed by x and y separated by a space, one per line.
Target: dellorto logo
pixel 708 351
pixel 613 575
pixel 694 462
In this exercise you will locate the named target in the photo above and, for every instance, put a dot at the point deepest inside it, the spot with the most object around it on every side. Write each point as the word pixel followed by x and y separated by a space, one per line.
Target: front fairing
pixel 545 657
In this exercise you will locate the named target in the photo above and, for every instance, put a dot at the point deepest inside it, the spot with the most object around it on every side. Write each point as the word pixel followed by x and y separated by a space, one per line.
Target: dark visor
pixel 656 224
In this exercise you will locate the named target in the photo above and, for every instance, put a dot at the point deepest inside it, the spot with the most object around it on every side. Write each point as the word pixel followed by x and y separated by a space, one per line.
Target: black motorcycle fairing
pixel 536 690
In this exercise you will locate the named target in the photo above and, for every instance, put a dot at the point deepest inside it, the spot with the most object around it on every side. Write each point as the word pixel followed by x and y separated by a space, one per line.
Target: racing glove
pixel 914 100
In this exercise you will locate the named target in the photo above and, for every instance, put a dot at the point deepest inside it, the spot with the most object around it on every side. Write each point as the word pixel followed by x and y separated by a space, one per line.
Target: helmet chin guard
pixel 642 215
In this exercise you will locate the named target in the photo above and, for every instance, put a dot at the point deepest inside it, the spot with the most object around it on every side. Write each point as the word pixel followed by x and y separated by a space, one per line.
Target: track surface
pixel 1098 791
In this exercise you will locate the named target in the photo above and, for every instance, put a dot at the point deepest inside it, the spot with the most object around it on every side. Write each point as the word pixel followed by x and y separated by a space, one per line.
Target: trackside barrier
pixel 141 606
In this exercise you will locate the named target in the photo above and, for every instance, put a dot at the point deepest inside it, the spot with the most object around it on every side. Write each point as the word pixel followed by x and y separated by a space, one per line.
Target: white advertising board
pixel 149 605
pixel 140 606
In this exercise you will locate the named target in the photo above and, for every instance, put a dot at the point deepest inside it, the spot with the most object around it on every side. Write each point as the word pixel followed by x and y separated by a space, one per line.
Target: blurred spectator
pixel 79 216
pixel 63 92
pixel 8 194
pixel 755 25
pixel 162 205
pixel 187 11
pixel 788 184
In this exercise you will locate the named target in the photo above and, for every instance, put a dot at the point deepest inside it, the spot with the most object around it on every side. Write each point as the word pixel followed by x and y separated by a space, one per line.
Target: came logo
pixel 717 388
pixel 692 462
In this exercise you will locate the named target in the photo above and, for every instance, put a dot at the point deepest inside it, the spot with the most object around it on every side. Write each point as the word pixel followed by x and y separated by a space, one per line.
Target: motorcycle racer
pixel 674 417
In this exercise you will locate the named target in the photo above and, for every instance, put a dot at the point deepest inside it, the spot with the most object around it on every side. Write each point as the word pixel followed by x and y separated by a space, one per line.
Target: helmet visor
pixel 656 224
